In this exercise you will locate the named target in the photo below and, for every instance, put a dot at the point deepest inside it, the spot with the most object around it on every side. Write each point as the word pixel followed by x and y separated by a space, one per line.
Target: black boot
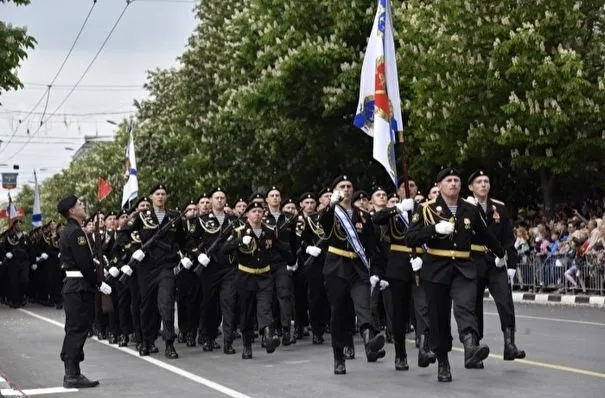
pixel 318 338
pixel 401 357
pixel 207 346
pixel 190 339
pixel 215 345
pixel 247 352
pixel 74 379
pixel 373 345
pixel 153 348
pixel 286 338
pixel 181 337
pixel 473 352
pixel 123 341
pixel 425 355
pixel 113 338
pixel 443 372
pixel 228 348
pixel 511 352
pixel 349 351
pixel 144 348
pixel 170 352
pixel 299 333
pixel 271 340
pixel 339 361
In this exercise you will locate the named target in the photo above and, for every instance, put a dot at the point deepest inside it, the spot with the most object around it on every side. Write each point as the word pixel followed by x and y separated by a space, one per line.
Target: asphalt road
pixel 566 358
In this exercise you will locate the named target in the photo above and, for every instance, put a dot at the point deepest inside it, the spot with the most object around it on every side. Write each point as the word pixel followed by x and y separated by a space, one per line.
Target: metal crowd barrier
pixel 559 274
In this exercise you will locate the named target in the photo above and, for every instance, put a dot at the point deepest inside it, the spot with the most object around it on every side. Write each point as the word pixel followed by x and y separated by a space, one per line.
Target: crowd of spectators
pixel 564 251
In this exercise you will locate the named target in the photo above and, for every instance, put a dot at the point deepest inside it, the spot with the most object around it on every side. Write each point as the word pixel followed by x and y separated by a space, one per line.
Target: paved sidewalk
pixel 555 299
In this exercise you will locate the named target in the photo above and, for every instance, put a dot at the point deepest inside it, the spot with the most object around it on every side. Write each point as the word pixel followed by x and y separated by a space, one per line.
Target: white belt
pixel 74 274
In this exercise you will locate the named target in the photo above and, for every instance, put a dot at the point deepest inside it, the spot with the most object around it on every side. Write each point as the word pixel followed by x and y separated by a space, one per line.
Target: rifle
pixel 160 232
pixel 222 235
pixel 106 301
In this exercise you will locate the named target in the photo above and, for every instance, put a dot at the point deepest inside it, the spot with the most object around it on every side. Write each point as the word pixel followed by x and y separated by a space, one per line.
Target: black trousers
pixel 496 281
pixel 420 309
pixel 255 306
pixel 397 305
pixel 341 293
pixel 219 289
pixel 123 309
pixel 189 297
pixel 439 296
pixel 135 305
pixel 79 314
pixel 284 294
pixel 319 308
pixel 18 282
pixel 55 277
pixel 301 300
pixel 157 287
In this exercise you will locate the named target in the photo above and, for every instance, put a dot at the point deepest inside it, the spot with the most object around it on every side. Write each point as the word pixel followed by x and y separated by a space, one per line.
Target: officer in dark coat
pixel 495 215
pixel 446 225
pixel 79 290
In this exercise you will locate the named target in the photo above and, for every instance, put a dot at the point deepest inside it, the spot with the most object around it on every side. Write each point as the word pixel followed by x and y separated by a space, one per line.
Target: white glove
pixel 444 227
pixel 58 255
pixel 292 268
pixel 471 199
pixel 114 271
pixel 336 197
pixel 511 274
pixel 105 273
pixel 126 270
pixel 203 259
pixel 383 285
pixel 96 261
pixel 500 262
pixel 138 255
pixel 246 240
pixel 186 262
pixel 44 256
pixel 105 288
pixel 37 259
pixel 405 205
pixel 374 280
pixel 416 264
pixel 34 267
pixel 313 251
pixel 9 255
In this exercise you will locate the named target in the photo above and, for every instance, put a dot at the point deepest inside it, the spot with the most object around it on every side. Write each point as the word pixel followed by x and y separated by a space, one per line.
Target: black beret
pixel 240 199
pixel 156 187
pixel 122 212
pixel 361 194
pixel 339 179
pixel 215 190
pixel 402 180
pixel 475 174
pixel 202 196
pixel 143 199
pixel 325 190
pixel 272 188
pixel 448 171
pixel 112 213
pixel 256 196
pixel 66 203
pixel 307 195
pixel 254 205
pixel 285 202
pixel 377 189
pixel 393 195
pixel 192 202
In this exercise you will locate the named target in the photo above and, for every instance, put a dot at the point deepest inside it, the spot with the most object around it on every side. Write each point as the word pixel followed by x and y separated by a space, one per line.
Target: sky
pixel 151 34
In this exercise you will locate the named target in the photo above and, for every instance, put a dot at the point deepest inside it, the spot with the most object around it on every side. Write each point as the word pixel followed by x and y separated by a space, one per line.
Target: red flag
pixel 104 188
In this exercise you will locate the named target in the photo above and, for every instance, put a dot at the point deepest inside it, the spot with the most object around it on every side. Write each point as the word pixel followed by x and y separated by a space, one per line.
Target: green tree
pixel 14 44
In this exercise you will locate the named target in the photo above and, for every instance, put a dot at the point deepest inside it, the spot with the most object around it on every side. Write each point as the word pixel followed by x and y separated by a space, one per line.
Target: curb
pixel 554 299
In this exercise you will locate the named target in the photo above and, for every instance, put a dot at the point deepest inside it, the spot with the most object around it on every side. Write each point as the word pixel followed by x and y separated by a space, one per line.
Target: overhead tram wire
pixel 75 86
pixel 46 94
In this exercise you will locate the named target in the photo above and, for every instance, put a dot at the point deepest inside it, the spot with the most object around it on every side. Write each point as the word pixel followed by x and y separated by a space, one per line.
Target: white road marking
pixel 171 368
pixel 49 390
pixel 551 319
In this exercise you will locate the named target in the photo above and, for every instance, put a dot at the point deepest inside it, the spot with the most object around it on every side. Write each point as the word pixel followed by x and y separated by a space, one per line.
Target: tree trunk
pixel 547 184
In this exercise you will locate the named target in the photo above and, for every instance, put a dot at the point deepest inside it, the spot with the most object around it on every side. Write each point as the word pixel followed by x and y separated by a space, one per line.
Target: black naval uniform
pixel 19 257
pixel 218 280
pixel 156 276
pixel 254 280
pixel 495 279
pixel 448 274
pixel 347 279
pixel 284 284
pixel 79 289
pixel 120 254
pixel 402 281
